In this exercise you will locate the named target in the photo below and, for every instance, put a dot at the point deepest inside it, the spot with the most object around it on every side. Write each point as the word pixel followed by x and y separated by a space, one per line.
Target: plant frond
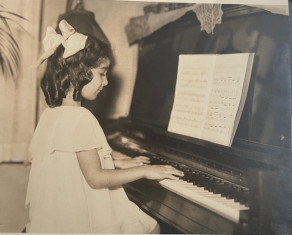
pixel 9 55
pixel 19 25
pixel 14 14
pixel 4 20
pixel 9 50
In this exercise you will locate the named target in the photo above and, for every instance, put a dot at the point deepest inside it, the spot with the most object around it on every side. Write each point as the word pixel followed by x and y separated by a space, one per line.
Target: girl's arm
pixel 97 177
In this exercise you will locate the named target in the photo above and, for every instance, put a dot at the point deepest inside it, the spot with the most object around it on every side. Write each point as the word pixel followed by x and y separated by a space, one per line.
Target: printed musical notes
pixel 210 95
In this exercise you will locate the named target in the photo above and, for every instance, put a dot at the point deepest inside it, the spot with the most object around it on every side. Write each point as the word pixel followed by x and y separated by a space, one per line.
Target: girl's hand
pixel 131 162
pixel 159 172
pixel 119 156
pixel 141 160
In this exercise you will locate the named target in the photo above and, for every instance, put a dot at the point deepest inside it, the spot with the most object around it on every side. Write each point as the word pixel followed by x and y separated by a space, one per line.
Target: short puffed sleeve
pixel 78 133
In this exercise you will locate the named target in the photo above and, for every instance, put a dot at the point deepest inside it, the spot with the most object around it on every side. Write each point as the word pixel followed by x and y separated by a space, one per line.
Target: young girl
pixel 73 184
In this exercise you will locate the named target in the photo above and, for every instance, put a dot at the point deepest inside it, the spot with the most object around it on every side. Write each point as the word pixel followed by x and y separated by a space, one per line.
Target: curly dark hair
pixel 75 70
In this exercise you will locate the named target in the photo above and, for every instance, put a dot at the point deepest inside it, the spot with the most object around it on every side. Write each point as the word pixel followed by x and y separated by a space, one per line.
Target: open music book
pixel 209 96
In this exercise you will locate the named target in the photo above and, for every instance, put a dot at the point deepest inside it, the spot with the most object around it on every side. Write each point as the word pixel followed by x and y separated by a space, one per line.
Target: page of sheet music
pixel 207 96
pixel 193 85
pixel 225 95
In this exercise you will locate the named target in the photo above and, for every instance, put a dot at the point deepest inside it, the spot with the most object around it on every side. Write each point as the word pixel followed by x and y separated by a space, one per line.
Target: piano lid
pixel 265 125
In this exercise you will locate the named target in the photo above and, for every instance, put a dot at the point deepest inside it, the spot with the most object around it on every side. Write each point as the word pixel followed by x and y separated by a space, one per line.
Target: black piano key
pixel 230 192
pixel 236 193
pixel 202 183
pixel 212 187
pixel 220 187
pixel 243 197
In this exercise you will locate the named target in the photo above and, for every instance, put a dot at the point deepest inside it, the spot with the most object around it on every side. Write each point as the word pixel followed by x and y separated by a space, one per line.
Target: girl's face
pixel 99 80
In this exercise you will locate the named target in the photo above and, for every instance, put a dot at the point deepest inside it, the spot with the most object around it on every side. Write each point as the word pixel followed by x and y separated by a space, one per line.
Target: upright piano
pixel 218 191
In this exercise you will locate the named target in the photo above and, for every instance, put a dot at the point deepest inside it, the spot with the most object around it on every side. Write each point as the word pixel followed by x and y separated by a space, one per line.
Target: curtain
pixel 18 100
pixel 158 15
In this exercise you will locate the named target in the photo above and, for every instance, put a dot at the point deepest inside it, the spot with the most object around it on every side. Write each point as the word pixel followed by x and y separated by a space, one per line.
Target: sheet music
pixel 208 95
pixel 191 95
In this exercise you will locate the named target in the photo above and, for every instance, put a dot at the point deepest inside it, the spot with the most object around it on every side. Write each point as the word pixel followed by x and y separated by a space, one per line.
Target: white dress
pixel 58 196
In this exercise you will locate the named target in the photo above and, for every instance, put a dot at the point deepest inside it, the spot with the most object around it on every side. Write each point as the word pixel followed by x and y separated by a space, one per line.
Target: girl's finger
pixel 171 177
pixel 142 158
pixel 169 167
pixel 174 172
pixel 144 161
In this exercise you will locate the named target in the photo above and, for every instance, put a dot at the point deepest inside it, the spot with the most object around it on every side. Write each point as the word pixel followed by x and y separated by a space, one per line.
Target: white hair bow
pixel 71 40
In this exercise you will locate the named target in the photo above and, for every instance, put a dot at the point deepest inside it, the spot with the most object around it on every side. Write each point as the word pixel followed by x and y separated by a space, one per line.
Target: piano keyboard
pixel 227 208
pixel 217 195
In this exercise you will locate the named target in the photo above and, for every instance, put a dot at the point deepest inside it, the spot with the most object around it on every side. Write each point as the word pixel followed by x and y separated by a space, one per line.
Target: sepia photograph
pixel 140 117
